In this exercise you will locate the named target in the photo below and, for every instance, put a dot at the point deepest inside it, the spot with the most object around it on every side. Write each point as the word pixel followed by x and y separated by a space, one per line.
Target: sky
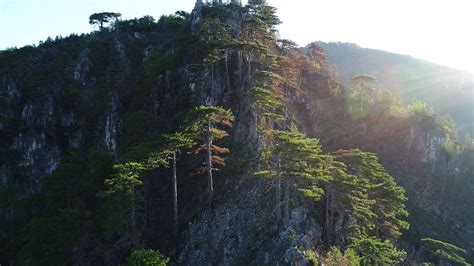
pixel 440 31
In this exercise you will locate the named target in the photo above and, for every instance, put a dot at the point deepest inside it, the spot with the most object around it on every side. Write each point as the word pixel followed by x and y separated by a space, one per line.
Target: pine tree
pixel 300 160
pixel 366 199
pixel 265 103
pixel 204 125
pixel 443 252
pixel 373 251
pixel 362 92
pixel 171 146
pixel 122 184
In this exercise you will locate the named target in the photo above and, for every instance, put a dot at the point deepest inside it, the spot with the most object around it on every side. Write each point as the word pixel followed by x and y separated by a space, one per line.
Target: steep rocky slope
pixel 110 90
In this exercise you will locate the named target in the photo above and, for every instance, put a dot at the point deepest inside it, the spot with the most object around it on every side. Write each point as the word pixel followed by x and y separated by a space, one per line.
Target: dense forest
pixel 202 138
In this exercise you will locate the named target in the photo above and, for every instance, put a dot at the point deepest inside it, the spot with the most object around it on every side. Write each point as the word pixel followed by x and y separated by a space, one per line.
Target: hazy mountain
pixel 448 90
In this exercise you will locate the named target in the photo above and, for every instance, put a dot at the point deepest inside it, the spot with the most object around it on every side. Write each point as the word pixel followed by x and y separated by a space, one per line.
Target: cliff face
pixel 86 93
pixel 242 230
pixel 100 92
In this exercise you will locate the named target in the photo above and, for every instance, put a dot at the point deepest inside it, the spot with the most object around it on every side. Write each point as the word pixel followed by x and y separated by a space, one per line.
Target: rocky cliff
pixel 109 90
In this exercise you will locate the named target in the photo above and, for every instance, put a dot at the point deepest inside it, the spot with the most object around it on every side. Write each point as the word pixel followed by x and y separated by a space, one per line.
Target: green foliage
pixel 104 17
pixel 444 251
pixel 43 228
pixel 13 212
pixel 204 124
pixel 391 104
pixel 214 31
pixel 301 159
pixel 156 65
pixel 411 78
pixel 101 166
pixel 138 127
pixel 264 15
pixel 113 213
pixel 336 258
pixel 383 211
pixel 373 251
pixel 172 143
pixel 49 239
pixel 118 204
pixel 361 96
pixel 118 200
pixel 265 103
pixel 170 23
pixel 362 192
pixel 419 108
pixel 127 176
pixel 311 258
pixel 143 24
pixel 202 116
pixel 147 257
pixel 447 125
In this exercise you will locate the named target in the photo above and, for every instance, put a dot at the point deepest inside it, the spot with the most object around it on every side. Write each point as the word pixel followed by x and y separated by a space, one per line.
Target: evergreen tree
pixel 441 252
pixel 172 145
pixel 375 203
pixel 123 183
pixel 361 94
pixel 300 160
pixel 366 199
pixel 373 251
pixel 266 105
pixel 204 125
pixel 103 18
pixel 336 258
pixel 61 211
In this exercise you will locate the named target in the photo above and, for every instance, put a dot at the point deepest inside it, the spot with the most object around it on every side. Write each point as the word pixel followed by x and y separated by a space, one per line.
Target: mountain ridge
pixel 409 77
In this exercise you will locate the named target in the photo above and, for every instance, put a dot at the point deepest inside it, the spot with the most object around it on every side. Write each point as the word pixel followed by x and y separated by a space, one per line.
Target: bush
pixel 147 257
pixel 336 258
pixel 312 259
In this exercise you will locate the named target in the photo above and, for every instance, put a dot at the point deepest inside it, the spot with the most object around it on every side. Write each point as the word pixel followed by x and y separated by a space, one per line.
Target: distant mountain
pixel 448 90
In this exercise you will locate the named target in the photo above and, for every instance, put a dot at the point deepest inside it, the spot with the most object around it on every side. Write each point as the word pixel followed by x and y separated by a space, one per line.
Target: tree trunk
pixel 287 200
pixel 175 198
pixel 133 212
pixel 326 224
pixel 209 164
pixel 300 77
pixel 212 80
pixel 240 65
pixel 258 140
pixel 12 223
pixel 278 192
pixel 227 68
pixel 250 66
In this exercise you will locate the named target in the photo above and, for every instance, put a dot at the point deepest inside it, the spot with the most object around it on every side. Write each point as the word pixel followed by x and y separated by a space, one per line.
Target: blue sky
pixel 440 31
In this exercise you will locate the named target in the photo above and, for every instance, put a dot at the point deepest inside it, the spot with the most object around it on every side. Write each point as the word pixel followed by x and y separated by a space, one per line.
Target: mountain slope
pixel 448 90
pixel 76 111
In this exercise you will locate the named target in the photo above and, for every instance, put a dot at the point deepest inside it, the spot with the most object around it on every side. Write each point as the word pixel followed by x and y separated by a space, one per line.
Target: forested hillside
pixel 202 139
pixel 448 90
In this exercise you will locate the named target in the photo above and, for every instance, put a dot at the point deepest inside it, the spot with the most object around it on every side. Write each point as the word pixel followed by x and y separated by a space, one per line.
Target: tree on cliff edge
pixel 103 18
